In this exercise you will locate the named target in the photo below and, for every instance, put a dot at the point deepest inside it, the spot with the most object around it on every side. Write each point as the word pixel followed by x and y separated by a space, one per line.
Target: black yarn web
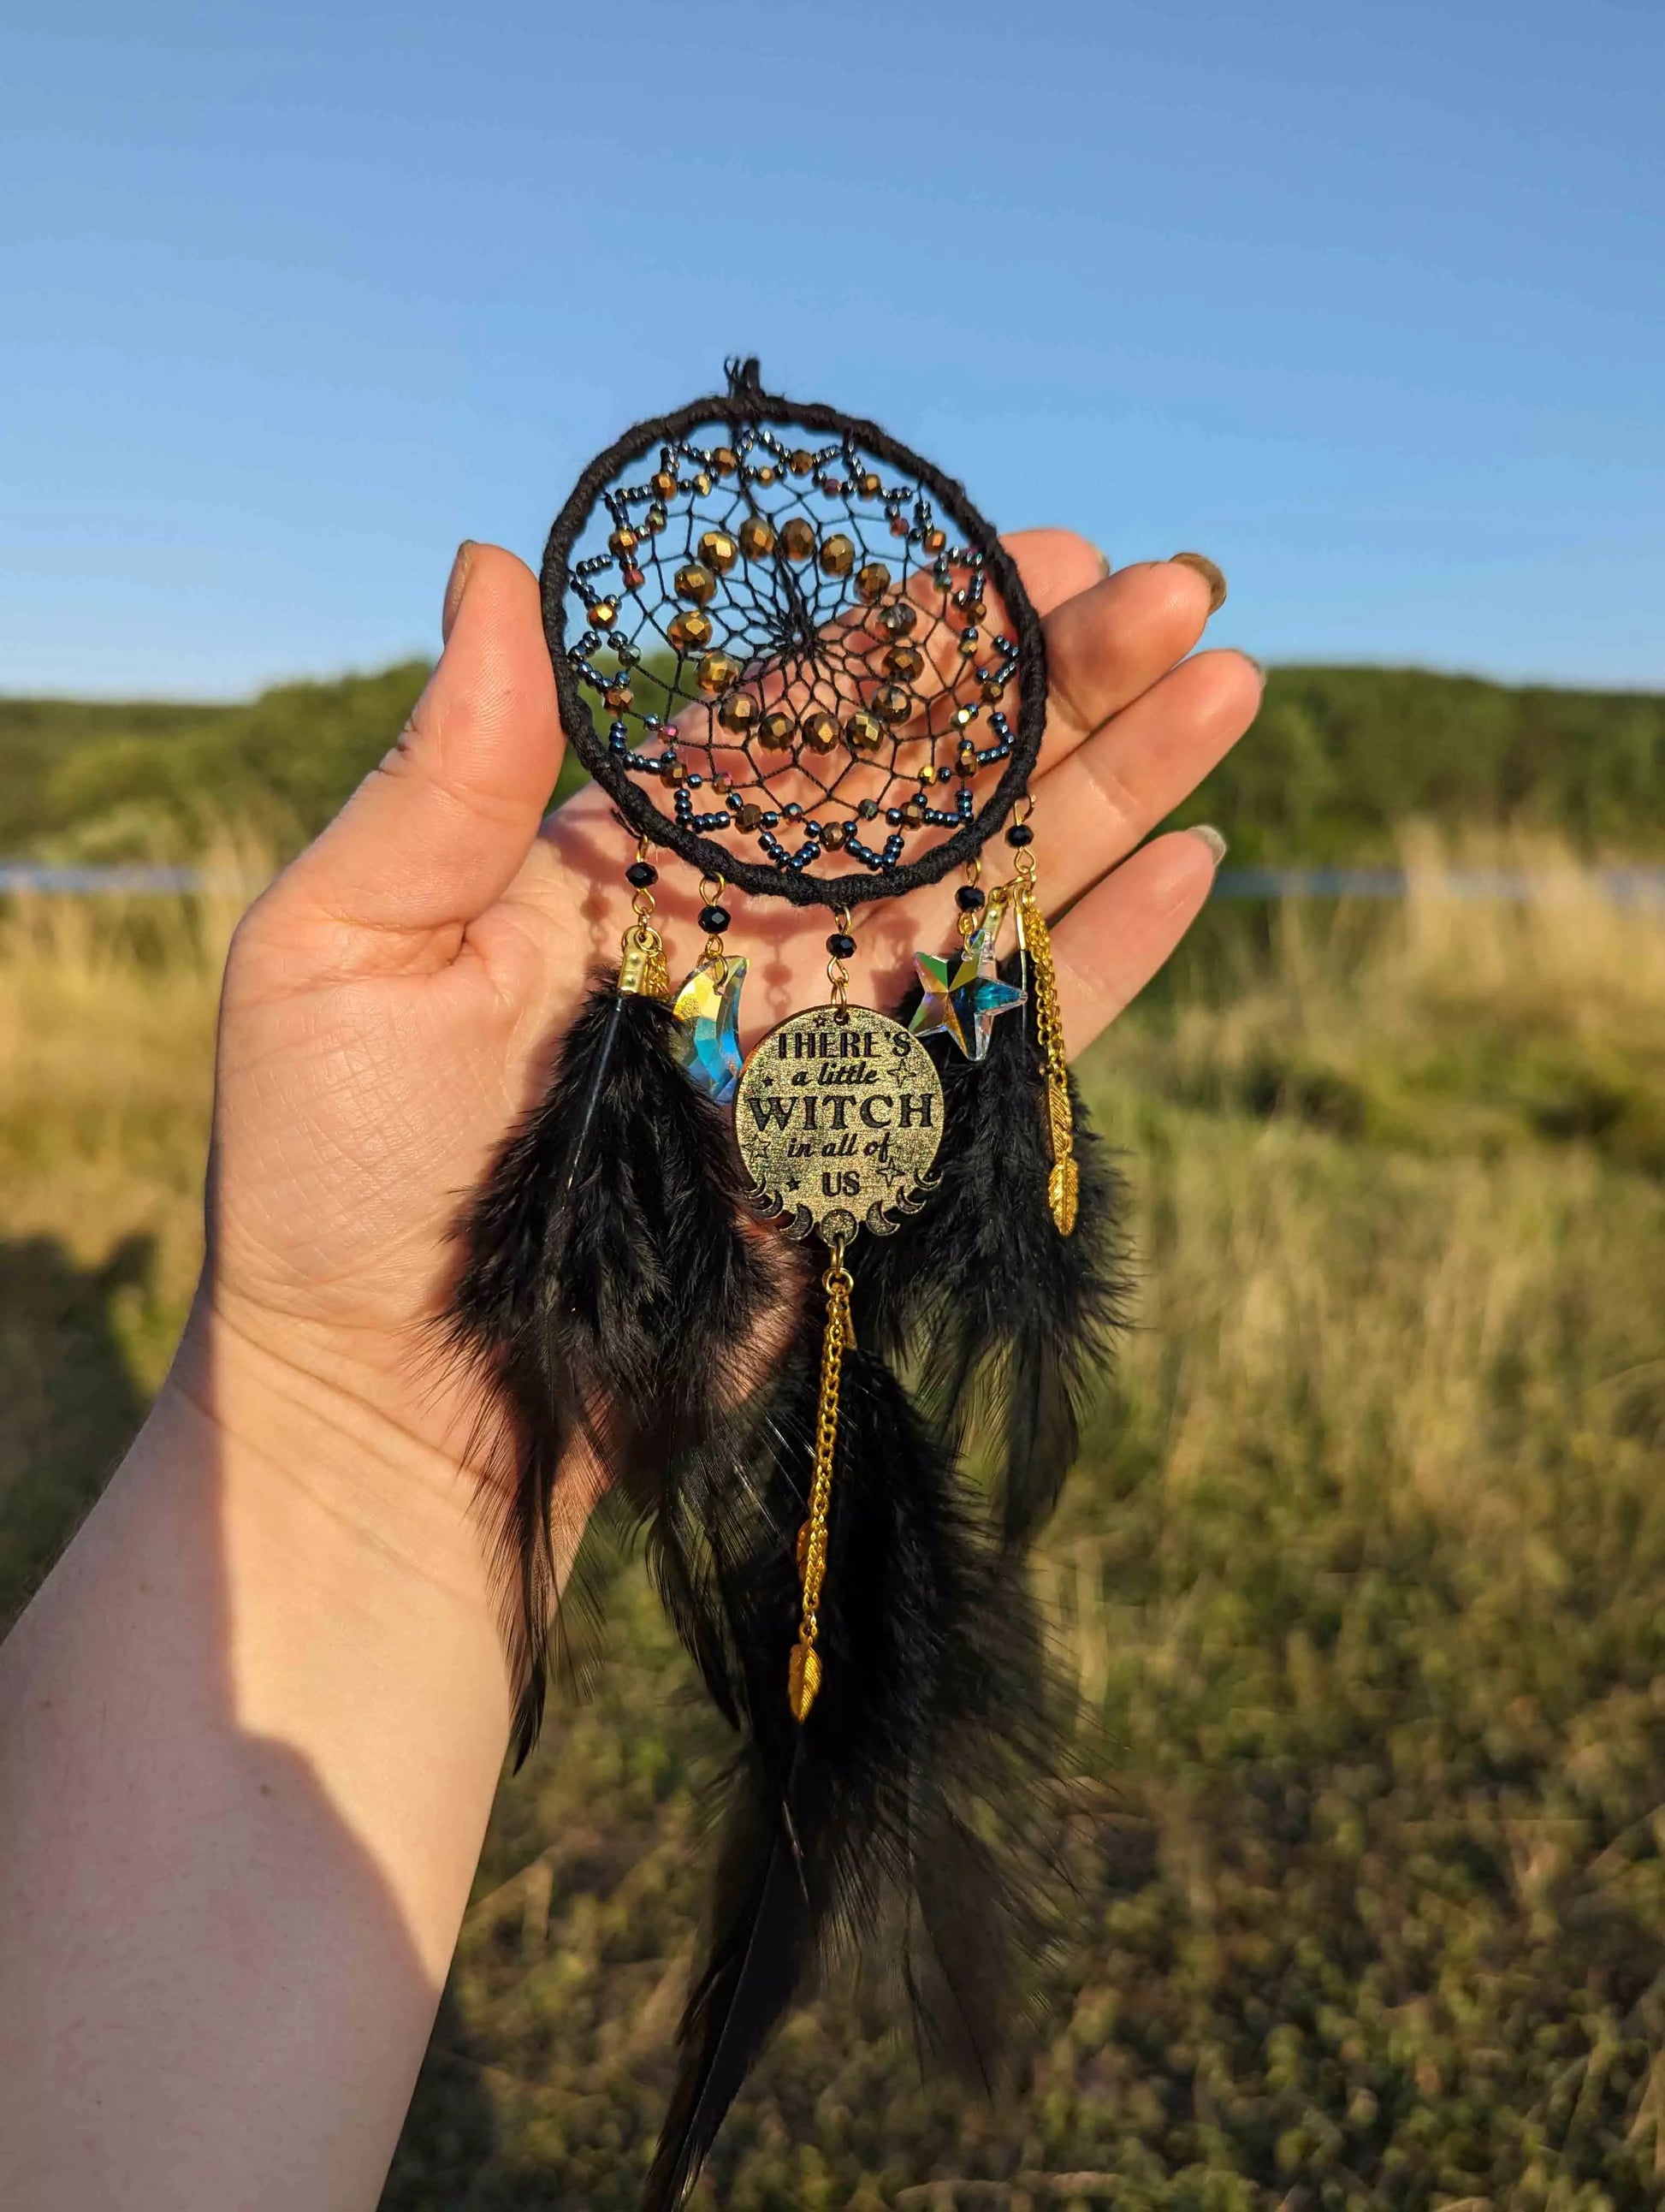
pixel 920 675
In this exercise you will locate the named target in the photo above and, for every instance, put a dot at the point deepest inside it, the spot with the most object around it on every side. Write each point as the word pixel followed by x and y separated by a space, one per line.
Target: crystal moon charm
pixel 838 1116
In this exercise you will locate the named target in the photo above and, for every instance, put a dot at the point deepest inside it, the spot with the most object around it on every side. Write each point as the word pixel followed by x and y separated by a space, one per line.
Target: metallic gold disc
pixel 838 1116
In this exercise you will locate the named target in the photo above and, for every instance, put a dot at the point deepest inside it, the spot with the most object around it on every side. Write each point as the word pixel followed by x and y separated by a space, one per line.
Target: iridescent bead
pixel 603 613
pixel 750 817
pixel 654 518
pixel 671 773
pixel 868 810
pixel 819 732
pixel 690 630
pixel 624 539
pixel 975 606
pixel 898 618
pixel 837 554
pixel 696 582
pixel 904 662
pixel 718 551
pixel 619 697
pixel 993 692
pixel 873 582
pixel 739 713
pixel 633 578
pixel 775 731
pixel 863 733
pixel 892 704
pixel 757 538
pixel 715 673
pixel 792 811
pixel 968 644
pixel 832 836
pixel 966 760
pixel 914 812
pixel 797 538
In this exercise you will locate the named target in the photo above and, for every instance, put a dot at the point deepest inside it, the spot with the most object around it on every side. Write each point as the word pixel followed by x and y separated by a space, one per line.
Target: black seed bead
pixel 640 874
pixel 969 899
pixel 714 920
pixel 1020 834
pixel 841 946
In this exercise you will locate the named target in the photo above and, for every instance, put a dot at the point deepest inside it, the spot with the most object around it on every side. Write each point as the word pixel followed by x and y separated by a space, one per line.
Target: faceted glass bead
pixel 603 613
pixel 833 835
pixel 904 662
pixel 868 484
pixel 739 713
pixel 655 518
pixel 715 673
pixel 718 551
pixel 633 576
pixel 899 526
pixel 797 538
pixel 690 630
pixel 724 460
pixel 975 607
pixel 701 483
pixel 935 540
pixel 873 582
pixel 764 473
pixel 673 773
pixel 750 817
pixel 722 781
pixel 663 483
pixel 696 582
pixel 624 539
pixel 819 732
pixel 892 703
pixel 802 462
pixel 619 696
pixel 898 618
pixel 968 644
pixel 914 812
pixel 967 760
pixel 837 554
pixel 868 810
pixel 757 538
pixel 863 733
pixel 993 692
pixel 775 731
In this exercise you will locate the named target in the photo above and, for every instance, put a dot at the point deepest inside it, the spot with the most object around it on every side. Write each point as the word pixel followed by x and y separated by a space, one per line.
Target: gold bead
pixel 624 539
pixel 738 714
pixel 868 484
pixel 757 538
pixel 797 539
pixel 837 554
pixel 892 704
pixel 802 462
pixel 935 540
pixel 863 733
pixel 673 773
pixel 619 696
pixel 702 482
pixel 764 473
pixel 719 552
pixel 966 760
pixel 966 647
pixel 904 662
pixel 724 460
pixel 654 519
pixel 819 732
pixel 664 483
pixel 722 780
pixel 898 618
pixel 833 835
pixel 603 613
pixel 715 673
pixel 696 582
pixel 775 731
pixel 975 607
pixel 993 692
pixel 873 582
pixel 690 630
pixel 750 817
pixel 914 812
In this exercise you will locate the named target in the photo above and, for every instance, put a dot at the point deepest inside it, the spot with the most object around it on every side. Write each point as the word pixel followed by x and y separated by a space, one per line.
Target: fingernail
pixel 1206 834
pixel 456 585
pixel 1103 564
pixel 1212 574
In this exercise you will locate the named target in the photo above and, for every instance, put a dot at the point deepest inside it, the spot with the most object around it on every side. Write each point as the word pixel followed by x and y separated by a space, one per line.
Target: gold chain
pixel 804 1674
pixel 1063 1182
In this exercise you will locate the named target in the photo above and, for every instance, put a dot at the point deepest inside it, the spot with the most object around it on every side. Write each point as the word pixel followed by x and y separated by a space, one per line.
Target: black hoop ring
pixel 746 403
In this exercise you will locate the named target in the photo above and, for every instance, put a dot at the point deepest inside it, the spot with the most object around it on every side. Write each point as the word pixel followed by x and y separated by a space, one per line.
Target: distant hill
pixel 1338 757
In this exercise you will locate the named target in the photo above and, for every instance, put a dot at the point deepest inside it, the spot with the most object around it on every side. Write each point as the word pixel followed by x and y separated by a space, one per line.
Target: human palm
pixel 392 1000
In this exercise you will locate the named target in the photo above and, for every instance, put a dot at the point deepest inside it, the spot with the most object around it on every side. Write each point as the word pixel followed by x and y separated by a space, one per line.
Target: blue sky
pixel 1364 302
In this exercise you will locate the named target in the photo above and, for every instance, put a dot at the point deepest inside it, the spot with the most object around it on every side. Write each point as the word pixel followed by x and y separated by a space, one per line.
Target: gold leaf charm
pixel 1063 1193
pixel 803 1680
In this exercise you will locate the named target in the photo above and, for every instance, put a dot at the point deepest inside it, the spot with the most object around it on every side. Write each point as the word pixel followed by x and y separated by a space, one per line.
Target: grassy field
pixel 1363 1568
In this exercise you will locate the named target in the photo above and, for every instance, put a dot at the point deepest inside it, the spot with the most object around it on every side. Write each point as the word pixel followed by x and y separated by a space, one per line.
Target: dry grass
pixel 1362 1567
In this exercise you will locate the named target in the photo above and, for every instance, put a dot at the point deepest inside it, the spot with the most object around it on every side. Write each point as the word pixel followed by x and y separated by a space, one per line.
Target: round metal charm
pixel 839 1116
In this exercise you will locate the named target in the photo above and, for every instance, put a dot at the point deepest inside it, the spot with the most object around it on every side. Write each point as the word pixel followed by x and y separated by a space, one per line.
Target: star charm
pixel 963 993
pixel 707 1040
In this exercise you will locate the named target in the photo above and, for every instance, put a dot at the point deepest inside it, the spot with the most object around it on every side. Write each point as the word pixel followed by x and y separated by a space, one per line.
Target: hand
pixel 391 1002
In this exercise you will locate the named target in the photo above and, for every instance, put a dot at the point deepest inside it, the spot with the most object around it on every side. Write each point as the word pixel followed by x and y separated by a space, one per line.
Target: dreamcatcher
pixel 766 1299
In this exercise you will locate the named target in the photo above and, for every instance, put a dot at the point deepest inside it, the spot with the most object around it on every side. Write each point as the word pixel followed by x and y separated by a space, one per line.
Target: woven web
pixel 784 637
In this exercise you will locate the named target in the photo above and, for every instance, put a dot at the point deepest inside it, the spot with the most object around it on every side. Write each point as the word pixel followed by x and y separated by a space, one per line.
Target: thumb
pixel 435 833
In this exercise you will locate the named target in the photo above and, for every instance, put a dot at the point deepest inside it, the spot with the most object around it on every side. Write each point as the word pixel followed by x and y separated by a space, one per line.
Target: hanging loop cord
pixel 804 1674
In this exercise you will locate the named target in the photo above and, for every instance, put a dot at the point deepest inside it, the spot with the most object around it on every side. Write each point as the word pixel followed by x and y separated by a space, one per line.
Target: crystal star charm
pixel 963 993
pixel 707 1040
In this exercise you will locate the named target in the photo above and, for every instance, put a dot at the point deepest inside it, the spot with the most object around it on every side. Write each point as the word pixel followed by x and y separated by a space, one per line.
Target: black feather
pixel 914 1799
pixel 610 1288
pixel 1000 1319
